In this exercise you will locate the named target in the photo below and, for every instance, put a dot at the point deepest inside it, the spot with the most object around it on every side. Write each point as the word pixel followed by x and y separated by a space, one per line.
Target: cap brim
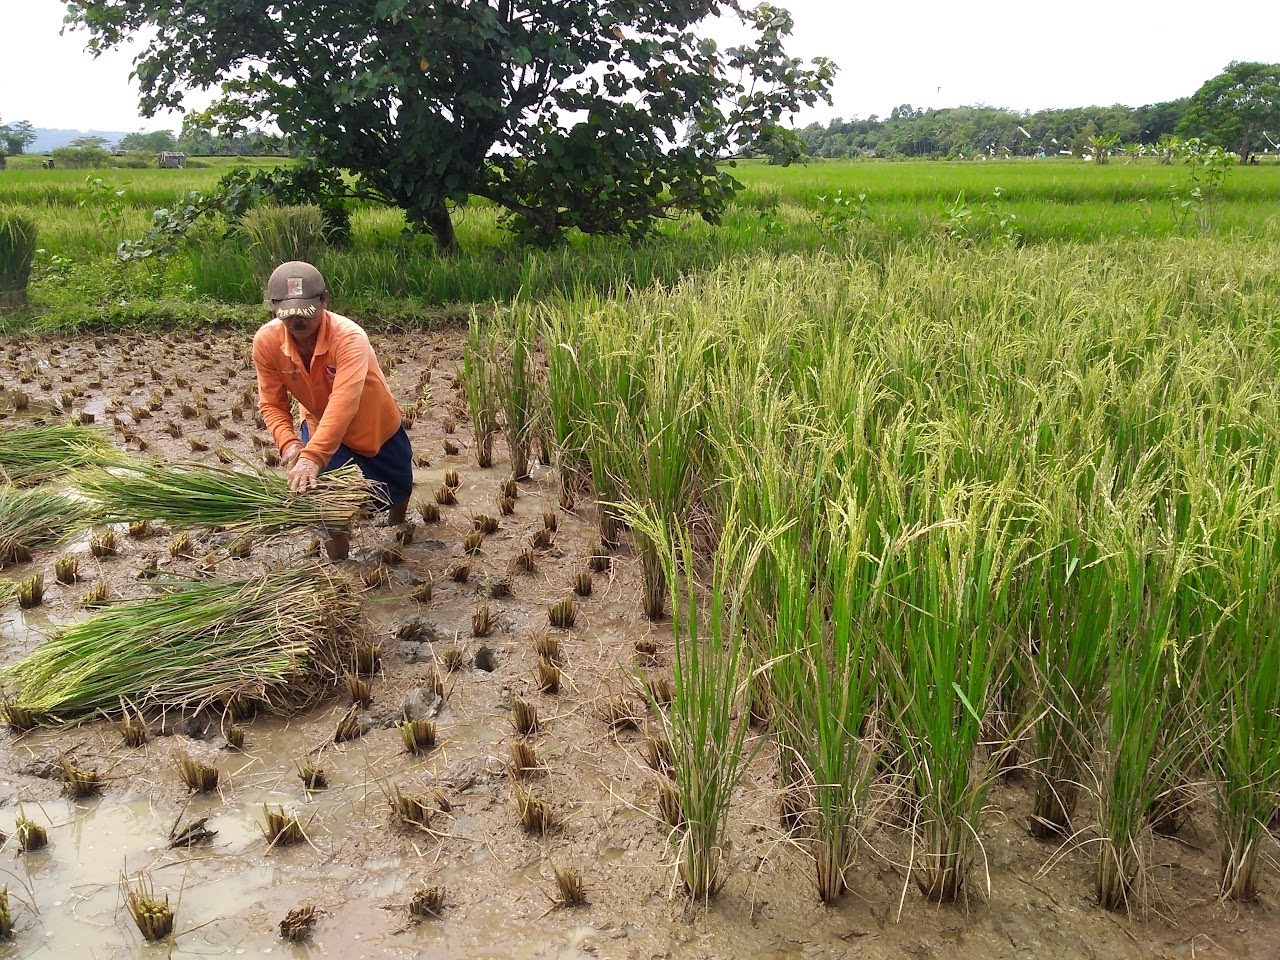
pixel 306 307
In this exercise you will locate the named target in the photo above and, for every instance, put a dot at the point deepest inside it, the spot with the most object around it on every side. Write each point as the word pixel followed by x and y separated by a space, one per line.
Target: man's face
pixel 304 328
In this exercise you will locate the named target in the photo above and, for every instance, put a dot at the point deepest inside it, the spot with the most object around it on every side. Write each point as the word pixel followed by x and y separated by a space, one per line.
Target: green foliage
pixel 79 158
pixel 155 141
pixel 1234 109
pixel 16 137
pixel 17 251
pixel 277 234
pixel 1197 200
pixel 565 113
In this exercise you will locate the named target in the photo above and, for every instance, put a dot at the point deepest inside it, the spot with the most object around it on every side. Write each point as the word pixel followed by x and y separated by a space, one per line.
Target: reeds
pixel 202 495
pixel 267 638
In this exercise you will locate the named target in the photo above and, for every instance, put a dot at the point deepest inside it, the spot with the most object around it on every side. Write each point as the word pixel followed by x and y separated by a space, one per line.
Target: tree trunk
pixel 441 225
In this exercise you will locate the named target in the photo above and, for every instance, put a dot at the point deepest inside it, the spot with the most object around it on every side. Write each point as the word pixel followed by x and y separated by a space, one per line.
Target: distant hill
pixel 47 140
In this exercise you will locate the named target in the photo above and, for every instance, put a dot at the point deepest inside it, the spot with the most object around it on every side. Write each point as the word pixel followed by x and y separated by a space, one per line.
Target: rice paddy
pixel 874 575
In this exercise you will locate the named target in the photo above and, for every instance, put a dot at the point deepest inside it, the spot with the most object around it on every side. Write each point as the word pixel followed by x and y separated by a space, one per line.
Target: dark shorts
pixel 390 469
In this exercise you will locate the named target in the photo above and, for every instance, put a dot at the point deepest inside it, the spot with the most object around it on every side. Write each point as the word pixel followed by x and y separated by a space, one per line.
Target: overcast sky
pixel 1020 54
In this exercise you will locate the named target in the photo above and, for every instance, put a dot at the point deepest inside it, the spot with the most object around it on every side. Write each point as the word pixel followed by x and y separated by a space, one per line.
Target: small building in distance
pixel 175 160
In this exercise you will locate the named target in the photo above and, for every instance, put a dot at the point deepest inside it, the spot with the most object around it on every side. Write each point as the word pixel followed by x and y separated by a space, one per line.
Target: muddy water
pixel 360 867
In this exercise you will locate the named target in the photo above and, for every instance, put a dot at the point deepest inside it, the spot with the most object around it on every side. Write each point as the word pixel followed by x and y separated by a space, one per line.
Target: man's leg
pixel 391 470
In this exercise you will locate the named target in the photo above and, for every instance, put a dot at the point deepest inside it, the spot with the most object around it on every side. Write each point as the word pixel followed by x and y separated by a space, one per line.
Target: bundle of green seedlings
pixel 202 495
pixel 31 519
pixel 36 454
pixel 268 639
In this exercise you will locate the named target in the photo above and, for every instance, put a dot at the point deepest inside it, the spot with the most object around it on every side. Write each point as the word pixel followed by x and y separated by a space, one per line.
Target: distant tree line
pixel 1238 110
pixel 956 132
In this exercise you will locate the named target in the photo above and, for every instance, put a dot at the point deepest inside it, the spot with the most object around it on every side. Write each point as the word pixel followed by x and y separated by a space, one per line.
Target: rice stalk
pixel 153 917
pixel 267 638
pixel 203 495
pixel 706 722
pixel 36 454
pixel 36 518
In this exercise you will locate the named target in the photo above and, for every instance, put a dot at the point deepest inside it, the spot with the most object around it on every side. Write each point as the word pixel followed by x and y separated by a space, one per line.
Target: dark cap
pixel 295 289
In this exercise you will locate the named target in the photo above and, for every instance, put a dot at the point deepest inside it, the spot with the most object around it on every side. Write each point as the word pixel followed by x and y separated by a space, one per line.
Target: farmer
pixel 326 362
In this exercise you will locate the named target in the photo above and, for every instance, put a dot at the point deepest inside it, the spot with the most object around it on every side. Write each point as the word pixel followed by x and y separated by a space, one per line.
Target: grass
pixel 268 639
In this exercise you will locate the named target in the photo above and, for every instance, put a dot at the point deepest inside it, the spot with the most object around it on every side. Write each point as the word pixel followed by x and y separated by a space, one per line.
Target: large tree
pixel 155 141
pixel 16 137
pixel 1236 107
pixel 603 115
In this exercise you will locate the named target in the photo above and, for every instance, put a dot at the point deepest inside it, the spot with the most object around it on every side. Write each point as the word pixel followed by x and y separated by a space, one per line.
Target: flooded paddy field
pixel 359 864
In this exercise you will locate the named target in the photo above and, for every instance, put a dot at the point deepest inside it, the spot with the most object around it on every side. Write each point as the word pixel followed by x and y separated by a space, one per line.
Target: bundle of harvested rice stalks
pixel 30 519
pixel 270 639
pixel 39 453
pixel 203 495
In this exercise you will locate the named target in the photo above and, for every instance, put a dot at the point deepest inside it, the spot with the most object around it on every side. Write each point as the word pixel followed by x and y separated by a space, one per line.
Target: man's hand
pixel 302 475
pixel 289 456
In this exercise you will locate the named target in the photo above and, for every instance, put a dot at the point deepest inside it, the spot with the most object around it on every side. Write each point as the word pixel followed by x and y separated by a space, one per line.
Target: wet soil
pixel 360 866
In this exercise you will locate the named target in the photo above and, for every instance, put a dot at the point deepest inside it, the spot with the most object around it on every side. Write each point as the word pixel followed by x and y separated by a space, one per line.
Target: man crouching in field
pixel 349 415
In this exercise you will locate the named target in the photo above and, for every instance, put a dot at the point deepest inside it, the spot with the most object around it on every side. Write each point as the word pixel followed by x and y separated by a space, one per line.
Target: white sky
pixel 1022 54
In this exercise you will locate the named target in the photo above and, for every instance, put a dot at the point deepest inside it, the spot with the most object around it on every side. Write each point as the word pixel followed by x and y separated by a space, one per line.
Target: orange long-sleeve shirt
pixel 344 396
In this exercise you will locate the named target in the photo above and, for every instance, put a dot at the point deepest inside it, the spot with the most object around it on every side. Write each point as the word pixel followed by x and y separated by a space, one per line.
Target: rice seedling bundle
pixel 269 638
pixel 203 495
pixel 31 519
pixel 36 454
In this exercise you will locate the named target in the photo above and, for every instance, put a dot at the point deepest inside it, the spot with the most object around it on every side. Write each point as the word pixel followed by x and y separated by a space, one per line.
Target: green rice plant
pixel 17 255
pixel 516 386
pixel 824 648
pixel 36 454
pixel 270 638
pixel 198 494
pixel 944 631
pixel 480 378
pixel 706 723
pixel 31 519
pixel 1148 567
pixel 651 447
pixel 277 234
pixel 1068 662
pixel 1242 676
